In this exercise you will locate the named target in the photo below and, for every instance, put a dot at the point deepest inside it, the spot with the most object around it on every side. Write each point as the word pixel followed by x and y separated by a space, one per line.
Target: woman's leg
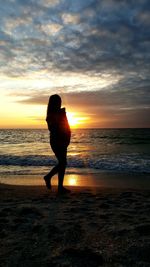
pixel 61 155
pixel 48 176
pixel 52 172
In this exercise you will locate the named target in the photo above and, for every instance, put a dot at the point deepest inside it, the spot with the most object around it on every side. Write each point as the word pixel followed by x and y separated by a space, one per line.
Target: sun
pixel 75 120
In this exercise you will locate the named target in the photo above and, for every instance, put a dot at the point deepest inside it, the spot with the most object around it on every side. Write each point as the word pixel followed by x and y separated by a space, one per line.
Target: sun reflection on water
pixel 72 181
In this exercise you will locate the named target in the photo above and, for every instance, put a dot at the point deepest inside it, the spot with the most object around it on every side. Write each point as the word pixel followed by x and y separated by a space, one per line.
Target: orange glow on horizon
pixel 76 120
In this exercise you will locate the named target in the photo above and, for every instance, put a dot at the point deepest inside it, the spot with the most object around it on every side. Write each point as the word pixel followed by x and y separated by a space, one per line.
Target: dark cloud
pixel 124 98
pixel 121 108
pixel 107 33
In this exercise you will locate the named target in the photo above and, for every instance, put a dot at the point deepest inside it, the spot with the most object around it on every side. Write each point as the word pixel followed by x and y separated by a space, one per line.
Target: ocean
pixel 27 151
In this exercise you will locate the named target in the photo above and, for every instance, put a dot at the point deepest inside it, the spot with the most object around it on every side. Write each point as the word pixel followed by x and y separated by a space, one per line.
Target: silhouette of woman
pixel 60 135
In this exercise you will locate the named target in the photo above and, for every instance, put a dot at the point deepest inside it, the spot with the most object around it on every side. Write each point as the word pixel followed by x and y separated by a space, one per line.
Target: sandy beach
pixel 91 226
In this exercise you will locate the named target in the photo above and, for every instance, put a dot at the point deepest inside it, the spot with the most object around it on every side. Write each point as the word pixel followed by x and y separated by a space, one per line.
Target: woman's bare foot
pixel 47 181
pixel 63 190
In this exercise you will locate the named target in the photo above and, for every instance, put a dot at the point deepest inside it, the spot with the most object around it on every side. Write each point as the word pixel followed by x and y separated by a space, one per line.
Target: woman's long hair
pixel 54 103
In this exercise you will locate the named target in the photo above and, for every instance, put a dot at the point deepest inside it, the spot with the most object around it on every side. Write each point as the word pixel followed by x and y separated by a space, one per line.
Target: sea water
pixel 27 151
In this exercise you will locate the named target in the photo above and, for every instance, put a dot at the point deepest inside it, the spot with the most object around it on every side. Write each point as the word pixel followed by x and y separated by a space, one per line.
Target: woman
pixel 60 135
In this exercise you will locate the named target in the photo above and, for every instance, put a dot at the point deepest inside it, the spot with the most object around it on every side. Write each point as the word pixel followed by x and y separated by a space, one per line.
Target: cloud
pixel 124 108
pixel 123 100
pixel 49 3
pixel 70 18
pixel 107 35
pixel 79 47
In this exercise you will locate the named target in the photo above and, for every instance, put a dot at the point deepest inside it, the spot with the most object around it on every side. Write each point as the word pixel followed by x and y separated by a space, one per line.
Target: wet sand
pixel 91 226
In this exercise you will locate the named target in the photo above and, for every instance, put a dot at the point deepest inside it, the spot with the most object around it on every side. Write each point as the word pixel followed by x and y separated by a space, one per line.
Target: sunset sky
pixel 94 53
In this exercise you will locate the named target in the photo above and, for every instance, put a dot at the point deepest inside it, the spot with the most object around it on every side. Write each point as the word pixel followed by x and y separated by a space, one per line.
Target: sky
pixel 94 53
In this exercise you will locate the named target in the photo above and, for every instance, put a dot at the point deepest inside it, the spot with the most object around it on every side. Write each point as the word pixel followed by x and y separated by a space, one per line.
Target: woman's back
pixel 58 126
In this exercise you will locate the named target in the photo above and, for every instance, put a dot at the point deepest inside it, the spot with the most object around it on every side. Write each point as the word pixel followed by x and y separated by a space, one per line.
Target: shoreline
pixel 103 179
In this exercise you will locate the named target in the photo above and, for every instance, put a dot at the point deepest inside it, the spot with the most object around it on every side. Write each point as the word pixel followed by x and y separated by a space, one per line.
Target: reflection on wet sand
pixel 84 180
pixel 80 180
pixel 72 181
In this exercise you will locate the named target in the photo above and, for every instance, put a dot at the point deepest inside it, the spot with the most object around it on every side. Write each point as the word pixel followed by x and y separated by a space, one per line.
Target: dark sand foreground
pixel 89 227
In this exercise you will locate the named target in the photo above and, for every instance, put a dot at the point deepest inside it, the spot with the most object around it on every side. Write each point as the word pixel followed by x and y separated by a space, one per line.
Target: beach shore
pixel 91 226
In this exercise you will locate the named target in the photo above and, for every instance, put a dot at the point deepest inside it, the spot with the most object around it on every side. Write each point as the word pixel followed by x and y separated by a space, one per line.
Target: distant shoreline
pixel 95 128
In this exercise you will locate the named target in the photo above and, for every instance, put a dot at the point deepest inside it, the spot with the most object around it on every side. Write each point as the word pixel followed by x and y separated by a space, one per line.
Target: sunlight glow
pixel 72 181
pixel 75 120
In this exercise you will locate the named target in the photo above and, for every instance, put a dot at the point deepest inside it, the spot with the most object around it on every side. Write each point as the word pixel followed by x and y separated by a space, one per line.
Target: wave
pixel 120 163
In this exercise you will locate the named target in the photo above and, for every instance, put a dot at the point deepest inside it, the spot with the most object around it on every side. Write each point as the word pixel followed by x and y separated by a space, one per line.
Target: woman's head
pixel 54 103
